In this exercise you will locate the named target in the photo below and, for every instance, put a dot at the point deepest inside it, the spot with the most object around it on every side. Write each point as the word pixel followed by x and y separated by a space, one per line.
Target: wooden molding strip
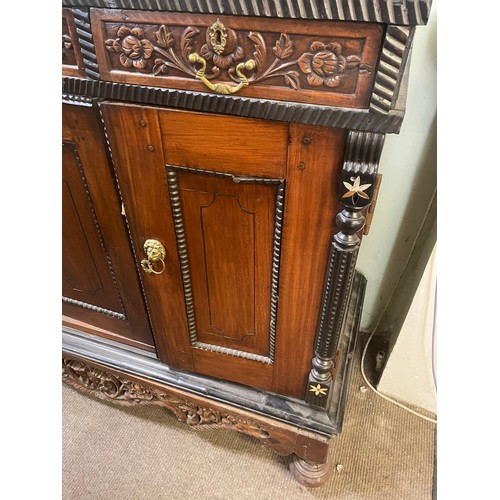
pixel 354 119
pixel 403 12
pixel 395 52
pixel 86 41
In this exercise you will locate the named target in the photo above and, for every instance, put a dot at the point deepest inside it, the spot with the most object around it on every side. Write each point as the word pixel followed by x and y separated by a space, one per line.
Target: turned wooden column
pixel 357 184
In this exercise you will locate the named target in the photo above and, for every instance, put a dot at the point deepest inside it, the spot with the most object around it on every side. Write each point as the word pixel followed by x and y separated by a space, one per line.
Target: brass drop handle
pixel 155 252
pixel 222 88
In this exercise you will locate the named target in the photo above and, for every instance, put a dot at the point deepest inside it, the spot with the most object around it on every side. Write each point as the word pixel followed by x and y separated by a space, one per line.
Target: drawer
pixel 72 60
pixel 315 62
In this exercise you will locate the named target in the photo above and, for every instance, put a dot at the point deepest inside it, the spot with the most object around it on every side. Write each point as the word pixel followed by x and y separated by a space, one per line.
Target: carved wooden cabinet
pixel 219 165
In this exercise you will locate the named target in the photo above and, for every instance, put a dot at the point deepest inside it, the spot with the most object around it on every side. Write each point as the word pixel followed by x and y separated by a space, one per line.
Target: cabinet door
pixel 213 191
pixel 100 287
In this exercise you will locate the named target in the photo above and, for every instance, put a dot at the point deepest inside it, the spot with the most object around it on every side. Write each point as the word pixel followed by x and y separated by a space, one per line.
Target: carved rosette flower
pixel 133 48
pixel 223 54
pixel 325 64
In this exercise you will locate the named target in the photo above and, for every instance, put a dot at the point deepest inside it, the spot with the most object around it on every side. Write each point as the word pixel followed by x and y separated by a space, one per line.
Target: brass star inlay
pixel 356 188
pixel 318 390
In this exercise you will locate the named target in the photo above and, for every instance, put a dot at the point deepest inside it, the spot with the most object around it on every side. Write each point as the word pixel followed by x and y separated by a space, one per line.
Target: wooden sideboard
pixel 219 167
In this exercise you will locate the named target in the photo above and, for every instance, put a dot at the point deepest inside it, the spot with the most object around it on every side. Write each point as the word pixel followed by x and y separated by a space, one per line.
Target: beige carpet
pixel 112 452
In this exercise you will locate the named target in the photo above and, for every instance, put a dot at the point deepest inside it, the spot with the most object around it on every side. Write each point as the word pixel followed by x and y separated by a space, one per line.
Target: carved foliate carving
pixel 331 63
pixel 324 64
pixel 106 386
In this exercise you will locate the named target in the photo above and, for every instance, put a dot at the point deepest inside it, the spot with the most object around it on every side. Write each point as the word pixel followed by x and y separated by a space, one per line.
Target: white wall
pixel 408 374
pixel 408 166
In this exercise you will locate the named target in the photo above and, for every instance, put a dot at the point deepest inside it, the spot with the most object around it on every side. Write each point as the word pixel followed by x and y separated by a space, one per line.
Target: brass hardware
pixel 218 37
pixel 301 165
pixel 222 88
pixel 155 252
pixel 371 208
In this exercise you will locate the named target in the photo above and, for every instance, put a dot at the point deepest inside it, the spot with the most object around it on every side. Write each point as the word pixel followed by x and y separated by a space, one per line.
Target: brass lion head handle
pixel 222 88
pixel 155 252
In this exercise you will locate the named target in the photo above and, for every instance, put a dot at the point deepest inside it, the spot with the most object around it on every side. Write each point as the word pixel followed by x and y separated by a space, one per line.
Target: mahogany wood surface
pixel 318 62
pixel 100 281
pixel 110 333
pixel 229 233
pixel 236 145
pixel 136 144
pixel 86 273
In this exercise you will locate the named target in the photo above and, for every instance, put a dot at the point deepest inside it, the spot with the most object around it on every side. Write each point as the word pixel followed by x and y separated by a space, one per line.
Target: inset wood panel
pixel 87 276
pixel 317 62
pixel 228 228
pixel 100 286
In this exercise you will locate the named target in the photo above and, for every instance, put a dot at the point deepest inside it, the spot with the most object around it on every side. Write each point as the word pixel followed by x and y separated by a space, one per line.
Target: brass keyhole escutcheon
pixel 155 252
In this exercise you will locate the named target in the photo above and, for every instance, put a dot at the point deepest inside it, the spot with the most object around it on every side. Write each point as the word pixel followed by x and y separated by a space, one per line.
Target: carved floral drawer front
pixel 319 62
pixel 72 60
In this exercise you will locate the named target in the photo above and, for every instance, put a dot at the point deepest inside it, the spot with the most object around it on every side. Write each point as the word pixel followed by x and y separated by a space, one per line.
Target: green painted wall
pixel 408 166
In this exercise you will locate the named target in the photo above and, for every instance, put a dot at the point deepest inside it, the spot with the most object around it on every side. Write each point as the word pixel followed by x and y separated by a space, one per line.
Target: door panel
pixel 214 307
pixel 101 292
pixel 246 240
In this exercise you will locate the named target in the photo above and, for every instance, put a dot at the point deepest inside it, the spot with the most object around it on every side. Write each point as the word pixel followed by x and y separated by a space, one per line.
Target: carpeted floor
pixel 112 452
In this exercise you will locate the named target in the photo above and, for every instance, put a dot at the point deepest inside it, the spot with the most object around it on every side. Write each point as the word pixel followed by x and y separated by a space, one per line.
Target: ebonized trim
pixel 94 308
pixel 282 408
pixel 348 343
pixel 86 42
pixel 359 171
pixel 403 12
pixel 391 68
pixel 354 119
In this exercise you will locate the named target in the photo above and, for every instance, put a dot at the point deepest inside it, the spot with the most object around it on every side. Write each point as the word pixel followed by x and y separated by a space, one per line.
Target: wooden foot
pixel 309 474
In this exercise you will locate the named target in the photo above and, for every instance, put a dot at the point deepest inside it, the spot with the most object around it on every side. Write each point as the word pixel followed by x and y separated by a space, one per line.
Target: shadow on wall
pixel 408 166
pixel 420 217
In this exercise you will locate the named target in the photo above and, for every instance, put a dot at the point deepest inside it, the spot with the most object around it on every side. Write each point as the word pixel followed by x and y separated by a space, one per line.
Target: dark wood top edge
pixel 400 12
pixel 285 409
pixel 329 116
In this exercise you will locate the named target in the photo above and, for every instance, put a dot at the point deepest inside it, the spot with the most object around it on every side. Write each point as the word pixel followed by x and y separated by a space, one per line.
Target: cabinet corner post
pixel 356 187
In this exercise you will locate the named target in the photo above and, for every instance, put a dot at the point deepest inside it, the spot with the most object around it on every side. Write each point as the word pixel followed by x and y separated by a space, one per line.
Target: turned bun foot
pixel 309 474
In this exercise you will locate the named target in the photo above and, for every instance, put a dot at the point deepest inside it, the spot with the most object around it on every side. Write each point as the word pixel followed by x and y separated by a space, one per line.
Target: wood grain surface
pixel 99 275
